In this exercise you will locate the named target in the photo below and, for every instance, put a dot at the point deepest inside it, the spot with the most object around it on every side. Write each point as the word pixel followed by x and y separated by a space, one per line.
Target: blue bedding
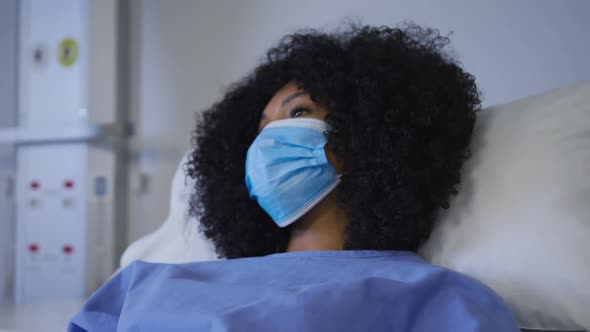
pixel 303 291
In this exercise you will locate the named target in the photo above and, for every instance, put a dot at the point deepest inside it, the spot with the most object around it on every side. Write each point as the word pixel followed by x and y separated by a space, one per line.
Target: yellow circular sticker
pixel 67 52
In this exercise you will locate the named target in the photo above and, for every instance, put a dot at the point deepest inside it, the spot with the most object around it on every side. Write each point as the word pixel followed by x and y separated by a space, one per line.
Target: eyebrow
pixel 291 97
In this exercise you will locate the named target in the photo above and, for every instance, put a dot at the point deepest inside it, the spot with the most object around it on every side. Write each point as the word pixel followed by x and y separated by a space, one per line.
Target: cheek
pixel 320 115
pixel 333 160
pixel 262 124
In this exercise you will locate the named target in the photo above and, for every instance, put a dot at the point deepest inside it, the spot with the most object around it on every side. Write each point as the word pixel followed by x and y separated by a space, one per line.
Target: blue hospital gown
pixel 298 291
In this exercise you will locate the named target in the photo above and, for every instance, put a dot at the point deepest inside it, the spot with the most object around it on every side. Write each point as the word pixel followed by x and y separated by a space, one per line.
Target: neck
pixel 322 228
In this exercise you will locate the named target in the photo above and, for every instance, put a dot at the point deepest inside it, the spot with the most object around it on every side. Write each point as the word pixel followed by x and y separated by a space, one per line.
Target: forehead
pixel 280 96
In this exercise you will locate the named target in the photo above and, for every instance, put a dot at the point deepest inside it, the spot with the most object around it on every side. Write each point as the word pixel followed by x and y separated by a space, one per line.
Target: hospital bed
pixel 520 224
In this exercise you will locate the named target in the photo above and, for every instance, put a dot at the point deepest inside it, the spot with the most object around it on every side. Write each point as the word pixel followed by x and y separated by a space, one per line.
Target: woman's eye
pixel 297 112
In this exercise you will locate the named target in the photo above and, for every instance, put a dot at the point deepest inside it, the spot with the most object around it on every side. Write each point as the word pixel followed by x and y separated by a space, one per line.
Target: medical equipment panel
pixel 70 146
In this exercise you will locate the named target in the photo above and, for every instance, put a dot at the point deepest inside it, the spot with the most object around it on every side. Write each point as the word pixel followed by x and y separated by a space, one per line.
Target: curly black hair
pixel 402 112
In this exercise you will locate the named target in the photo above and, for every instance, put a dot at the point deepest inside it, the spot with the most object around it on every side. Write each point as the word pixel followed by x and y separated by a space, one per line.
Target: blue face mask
pixel 287 172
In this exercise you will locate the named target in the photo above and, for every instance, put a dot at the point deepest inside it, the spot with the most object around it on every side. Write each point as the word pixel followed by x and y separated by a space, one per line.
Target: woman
pixel 319 175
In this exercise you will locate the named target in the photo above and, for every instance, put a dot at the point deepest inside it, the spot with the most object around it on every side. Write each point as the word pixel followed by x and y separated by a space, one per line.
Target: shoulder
pixel 465 285
pixel 455 297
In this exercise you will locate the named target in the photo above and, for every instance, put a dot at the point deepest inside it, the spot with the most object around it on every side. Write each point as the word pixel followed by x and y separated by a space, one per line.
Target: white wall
pixel 187 51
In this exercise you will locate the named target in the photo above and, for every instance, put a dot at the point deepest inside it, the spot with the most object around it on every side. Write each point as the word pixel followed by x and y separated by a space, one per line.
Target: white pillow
pixel 178 240
pixel 521 222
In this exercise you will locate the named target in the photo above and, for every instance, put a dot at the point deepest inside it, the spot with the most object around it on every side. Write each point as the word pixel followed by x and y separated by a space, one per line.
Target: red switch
pixel 68 249
pixel 69 184
pixel 35 185
pixel 33 247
